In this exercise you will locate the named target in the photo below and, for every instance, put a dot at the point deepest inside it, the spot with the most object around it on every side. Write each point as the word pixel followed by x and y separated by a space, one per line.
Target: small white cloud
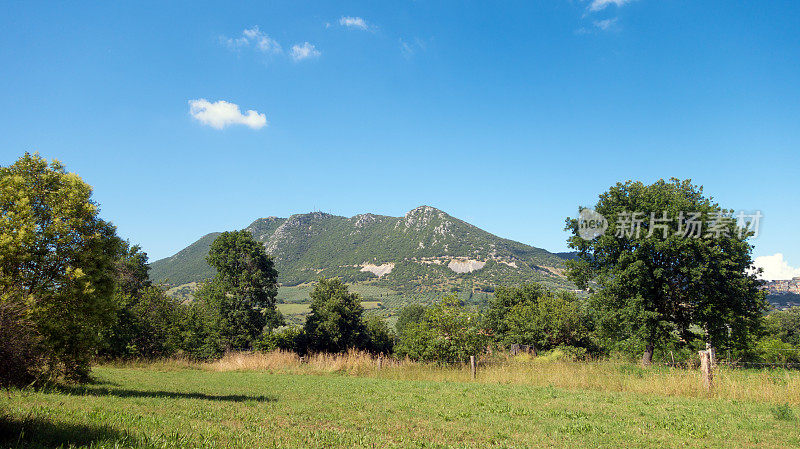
pixel 304 51
pixel 606 24
pixel 775 267
pixel 221 113
pixel 599 5
pixel 354 22
pixel 256 38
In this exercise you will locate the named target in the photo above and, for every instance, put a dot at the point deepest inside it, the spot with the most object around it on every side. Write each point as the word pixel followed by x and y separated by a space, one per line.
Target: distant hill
pixel 426 250
pixel 784 300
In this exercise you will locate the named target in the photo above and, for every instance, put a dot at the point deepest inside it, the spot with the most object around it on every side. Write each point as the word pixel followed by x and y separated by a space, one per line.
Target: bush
pixel 532 315
pixel 773 350
pixel 20 364
pixel 287 339
pixel 448 334
pixel 335 323
pixel 380 339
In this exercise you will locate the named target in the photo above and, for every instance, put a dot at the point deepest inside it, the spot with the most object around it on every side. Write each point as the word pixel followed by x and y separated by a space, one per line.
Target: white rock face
pixel 465 265
pixel 378 270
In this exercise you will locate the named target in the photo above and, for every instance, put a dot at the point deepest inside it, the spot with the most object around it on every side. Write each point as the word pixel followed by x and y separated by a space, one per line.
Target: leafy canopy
pixel 656 288
pixel 335 323
pixel 56 259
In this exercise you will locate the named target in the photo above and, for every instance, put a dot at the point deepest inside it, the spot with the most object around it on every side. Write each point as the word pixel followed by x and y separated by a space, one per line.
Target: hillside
pixel 426 250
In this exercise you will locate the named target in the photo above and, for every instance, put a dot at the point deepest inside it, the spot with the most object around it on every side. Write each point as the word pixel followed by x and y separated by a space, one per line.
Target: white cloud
pixel 256 38
pixel 304 51
pixel 221 113
pixel 354 22
pixel 599 5
pixel 775 267
pixel 606 24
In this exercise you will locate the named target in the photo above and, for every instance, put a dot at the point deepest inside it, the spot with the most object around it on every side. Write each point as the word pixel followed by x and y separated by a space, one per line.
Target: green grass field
pixel 182 407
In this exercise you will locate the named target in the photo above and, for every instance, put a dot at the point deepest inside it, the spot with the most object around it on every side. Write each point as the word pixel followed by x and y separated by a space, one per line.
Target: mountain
pixel 425 250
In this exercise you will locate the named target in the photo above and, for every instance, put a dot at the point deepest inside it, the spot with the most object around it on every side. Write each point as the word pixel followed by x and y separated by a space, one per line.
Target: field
pixel 381 301
pixel 303 308
pixel 275 401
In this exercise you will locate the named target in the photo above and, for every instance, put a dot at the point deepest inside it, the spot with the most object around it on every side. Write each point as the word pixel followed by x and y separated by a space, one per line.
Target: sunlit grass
pixel 275 400
pixel 774 386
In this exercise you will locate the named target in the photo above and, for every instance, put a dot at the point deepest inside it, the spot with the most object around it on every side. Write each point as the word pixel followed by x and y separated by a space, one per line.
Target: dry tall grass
pixel 775 386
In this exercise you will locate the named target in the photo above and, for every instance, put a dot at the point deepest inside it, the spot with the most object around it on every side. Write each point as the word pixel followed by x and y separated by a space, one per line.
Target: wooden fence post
pixel 712 353
pixel 472 366
pixel 380 361
pixel 706 369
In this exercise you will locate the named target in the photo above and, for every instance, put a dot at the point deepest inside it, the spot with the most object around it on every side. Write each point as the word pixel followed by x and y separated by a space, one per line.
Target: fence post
pixel 712 353
pixel 472 366
pixel 706 369
pixel 380 361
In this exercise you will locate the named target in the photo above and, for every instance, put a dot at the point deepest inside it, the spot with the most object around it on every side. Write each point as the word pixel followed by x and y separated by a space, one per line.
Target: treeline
pixel 71 291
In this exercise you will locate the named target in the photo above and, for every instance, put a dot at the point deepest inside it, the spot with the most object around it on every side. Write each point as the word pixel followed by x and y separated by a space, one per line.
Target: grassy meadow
pixel 274 400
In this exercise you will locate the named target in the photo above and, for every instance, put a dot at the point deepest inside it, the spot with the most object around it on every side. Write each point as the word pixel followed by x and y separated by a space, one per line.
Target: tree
pixel 671 259
pixel 20 361
pixel 409 314
pixel 448 334
pixel 784 325
pixel 132 270
pixel 247 273
pixel 533 315
pixel 335 323
pixel 56 260
pixel 131 279
pixel 505 299
pixel 380 339
pixel 237 306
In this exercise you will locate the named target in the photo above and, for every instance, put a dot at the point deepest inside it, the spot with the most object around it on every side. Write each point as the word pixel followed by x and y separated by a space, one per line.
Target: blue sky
pixel 508 115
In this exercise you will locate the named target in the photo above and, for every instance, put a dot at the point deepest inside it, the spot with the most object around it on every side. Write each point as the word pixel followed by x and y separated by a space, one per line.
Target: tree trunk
pixel 647 357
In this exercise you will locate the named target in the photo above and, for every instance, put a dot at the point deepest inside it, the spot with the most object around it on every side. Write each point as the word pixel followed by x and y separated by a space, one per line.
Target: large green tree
pixel 335 323
pixel 146 320
pixel 530 314
pixel 671 262
pixel 56 260
pixel 449 333
pixel 240 301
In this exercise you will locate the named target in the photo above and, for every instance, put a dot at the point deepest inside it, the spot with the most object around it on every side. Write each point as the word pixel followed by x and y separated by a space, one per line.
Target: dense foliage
pixel 447 333
pixel 56 261
pixel 336 324
pixel 532 315
pixel 658 286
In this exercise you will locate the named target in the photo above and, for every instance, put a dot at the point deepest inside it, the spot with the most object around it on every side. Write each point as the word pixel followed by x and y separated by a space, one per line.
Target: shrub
pixel 449 333
pixel 291 339
pixel 380 339
pixel 773 350
pixel 335 323
pixel 20 364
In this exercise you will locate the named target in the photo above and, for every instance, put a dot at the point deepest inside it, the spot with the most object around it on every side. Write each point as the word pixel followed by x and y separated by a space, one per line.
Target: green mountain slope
pixel 425 250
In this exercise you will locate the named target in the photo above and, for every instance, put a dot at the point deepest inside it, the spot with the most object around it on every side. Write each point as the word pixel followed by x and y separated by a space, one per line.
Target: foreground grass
pixel 183 407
